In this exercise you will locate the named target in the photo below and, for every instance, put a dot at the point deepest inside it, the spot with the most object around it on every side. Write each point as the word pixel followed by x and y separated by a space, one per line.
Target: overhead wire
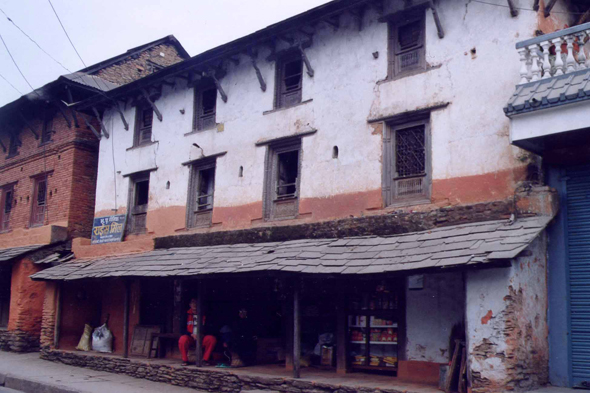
pixel 64 29
pixel 7 81
pixel 15 63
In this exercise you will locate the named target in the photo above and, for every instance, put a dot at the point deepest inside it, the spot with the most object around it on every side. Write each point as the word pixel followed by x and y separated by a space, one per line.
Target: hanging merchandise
pixel 102 339
pixel 84 344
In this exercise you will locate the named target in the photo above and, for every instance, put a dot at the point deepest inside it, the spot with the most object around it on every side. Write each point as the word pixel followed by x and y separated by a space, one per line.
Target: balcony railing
pixel 554 54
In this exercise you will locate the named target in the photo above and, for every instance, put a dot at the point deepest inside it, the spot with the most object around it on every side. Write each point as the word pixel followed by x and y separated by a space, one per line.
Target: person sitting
pixel 243 341
pixel 189 339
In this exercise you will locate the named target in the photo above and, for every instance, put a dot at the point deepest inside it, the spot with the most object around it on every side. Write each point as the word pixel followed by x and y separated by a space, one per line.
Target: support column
pixel 296 329
pixel 178 324
pixel 56 330
pixel 341 335
pixel 126 320
pixel 199 328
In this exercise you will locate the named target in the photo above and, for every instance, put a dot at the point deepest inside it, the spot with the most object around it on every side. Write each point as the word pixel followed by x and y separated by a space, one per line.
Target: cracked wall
pixel 507 323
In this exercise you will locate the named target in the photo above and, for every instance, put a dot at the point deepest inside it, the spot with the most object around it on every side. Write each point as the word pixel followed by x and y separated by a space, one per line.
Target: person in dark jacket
pixel 244 338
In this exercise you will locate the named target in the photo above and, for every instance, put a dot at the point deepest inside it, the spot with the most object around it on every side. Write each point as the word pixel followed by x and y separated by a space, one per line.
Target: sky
pixel 101 29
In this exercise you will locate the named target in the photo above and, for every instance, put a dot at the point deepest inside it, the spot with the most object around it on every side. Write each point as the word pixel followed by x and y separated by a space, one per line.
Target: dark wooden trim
pixel 140 171
pixel 199 344
pixel 439 28
pixel 341 335
pixel 146 96
pixel 72 110
pixel 258 74
pixel 549 7
pixel 310 70
pixel 536 5
pixel 126 320
pixel 96 133
pixel 296 329
pixel 211 156
pixel 513 9
pixel 408 116
pixel 58 307
pixel 285 138
pixel 102 125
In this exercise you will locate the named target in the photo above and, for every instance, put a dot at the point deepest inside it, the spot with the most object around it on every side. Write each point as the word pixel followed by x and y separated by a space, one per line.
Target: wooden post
pixel 341 335
pixel 288 313
pixel 199 328
pixel 126 319
pixel 296 329
pixel 57 326
pixel 177 322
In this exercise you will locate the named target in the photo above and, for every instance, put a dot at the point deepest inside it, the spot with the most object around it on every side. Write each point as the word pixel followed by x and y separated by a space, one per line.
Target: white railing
pixel 554 54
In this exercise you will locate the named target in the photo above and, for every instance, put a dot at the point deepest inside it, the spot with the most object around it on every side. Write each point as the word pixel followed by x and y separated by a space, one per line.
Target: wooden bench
pixel 157 347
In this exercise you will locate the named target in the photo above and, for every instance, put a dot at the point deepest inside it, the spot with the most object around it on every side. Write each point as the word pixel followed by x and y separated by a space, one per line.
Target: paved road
pixel 27 373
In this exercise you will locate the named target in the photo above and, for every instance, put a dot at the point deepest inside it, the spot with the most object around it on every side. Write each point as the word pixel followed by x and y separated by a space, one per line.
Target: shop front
pixel 390 311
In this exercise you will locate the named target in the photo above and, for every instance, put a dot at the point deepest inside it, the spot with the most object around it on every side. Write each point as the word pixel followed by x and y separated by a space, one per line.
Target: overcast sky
pixel 104 28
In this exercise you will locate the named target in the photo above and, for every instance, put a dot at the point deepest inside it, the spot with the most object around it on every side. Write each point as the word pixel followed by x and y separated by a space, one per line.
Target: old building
pixel 346 171
pixel 48 167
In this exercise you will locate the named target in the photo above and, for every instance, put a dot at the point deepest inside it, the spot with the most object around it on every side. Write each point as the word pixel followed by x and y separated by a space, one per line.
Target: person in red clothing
pixel 188 340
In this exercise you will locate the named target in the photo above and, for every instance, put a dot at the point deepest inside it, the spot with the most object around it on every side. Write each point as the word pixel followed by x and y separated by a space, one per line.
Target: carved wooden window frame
pixel 201 120
pixel 137 214
pixel 281 99
pixel 200 216
pixel 396 52
pixel 142 134
pixel 38 207
pixel 393 185
pixel 276 208
pixel 7 191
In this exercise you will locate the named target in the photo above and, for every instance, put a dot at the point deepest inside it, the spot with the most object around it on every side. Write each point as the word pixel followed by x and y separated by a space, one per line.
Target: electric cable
pixel 64 29
pixel 7 81
pixel 15 64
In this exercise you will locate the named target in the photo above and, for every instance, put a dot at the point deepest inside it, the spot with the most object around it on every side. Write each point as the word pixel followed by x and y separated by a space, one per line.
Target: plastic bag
pixel 84 344
pixel 102 339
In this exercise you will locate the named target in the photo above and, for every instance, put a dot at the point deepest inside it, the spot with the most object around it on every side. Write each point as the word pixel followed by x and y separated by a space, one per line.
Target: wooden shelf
pixel 383 342
pixel 394 326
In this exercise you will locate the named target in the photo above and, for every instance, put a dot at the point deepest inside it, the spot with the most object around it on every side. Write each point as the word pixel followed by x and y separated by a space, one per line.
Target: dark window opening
pixel 289 81
pixel 7 202
pixel 205 189
pixel 335 152
pixel 406 46
pixel 5 282
pixel 143 128
pixel 205 108
pixel 13 145
pixel 47 129
pixel 140 189
pixel 39 202
pixel 288 171
pixel 241 172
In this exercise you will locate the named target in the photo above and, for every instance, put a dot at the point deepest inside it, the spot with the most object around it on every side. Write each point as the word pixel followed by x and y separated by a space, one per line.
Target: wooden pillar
pixel 296 329
pixel 126 319
pixel 199 328
pixel 57 327
pixel 341 334
pixel 288 313
pixel 178 324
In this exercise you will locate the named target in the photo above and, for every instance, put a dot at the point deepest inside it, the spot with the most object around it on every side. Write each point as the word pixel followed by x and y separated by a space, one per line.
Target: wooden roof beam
pixel 310 71
pixel 59 106
pixel 258 73
pixel 91 127
pixel 211 74
pixel 154 107
pixel 439 28
pixel 24 119
pixel 104 128
pixel 549 7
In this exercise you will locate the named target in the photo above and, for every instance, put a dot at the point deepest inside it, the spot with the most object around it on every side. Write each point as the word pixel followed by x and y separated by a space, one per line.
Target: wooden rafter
pixel 59 106
pixel 310 71
pixel 125 124
pixel 439 28
pixel 154 107
pixel 96 133
pixel 536 5
pixel 211 75
pixel 102 126
pixel 333 23
pixel 3 147
pixel 72 111
pixel 24 119
pixel 289 40
pixel 513 9
pixel 306 33
pixel 258 73
pixel 549 7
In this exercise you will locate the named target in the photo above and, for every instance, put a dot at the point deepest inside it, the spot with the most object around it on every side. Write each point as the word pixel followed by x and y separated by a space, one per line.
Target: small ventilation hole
pixel 335 152
pixel 168 185
pixel 241 172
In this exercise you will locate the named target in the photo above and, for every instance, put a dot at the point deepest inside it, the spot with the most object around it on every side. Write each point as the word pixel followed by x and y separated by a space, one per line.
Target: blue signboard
pixel 108 229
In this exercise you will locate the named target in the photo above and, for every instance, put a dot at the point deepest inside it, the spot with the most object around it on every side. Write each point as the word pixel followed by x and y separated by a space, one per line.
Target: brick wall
pixel 138 66
pixel 70 161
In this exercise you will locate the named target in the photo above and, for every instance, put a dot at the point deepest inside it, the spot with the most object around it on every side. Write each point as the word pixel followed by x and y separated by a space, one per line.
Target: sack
pixel 236 361
pixel 102 339
pixel 84 344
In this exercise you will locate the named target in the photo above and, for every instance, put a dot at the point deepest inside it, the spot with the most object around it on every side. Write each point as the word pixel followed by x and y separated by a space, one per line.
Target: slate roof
pixel 442 247
pixel 550 92
pixel 56 258
pixel 7 254
pixel 92 81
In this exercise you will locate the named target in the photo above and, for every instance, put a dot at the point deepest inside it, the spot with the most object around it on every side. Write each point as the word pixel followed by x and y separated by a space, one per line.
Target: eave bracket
pixel 154 107
pixel 104 128
pixel 310 71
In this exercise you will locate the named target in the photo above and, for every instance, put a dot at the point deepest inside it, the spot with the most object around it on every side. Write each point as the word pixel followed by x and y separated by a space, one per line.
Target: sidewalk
pixel 27 373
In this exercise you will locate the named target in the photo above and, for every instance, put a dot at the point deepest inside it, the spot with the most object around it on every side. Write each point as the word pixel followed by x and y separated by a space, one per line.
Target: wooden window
pixel 13 144
pixel 6 206
pixel 406 45
pixel 39 202
pixel 205 104
pixel 139 193
pixel 47 130
pixel 407 175
pixel 288 84
pixel 201 193
pixel 283 177
pixel 5 282
pixel 144 116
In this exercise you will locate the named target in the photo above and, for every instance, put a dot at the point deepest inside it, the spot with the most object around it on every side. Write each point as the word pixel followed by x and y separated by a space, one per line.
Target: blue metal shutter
pixel 578 241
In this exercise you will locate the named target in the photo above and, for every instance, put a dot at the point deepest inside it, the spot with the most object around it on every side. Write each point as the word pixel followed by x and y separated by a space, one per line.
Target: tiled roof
pixel 550 92
pixel 7 254
pixel 442 247
pixel 55 258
